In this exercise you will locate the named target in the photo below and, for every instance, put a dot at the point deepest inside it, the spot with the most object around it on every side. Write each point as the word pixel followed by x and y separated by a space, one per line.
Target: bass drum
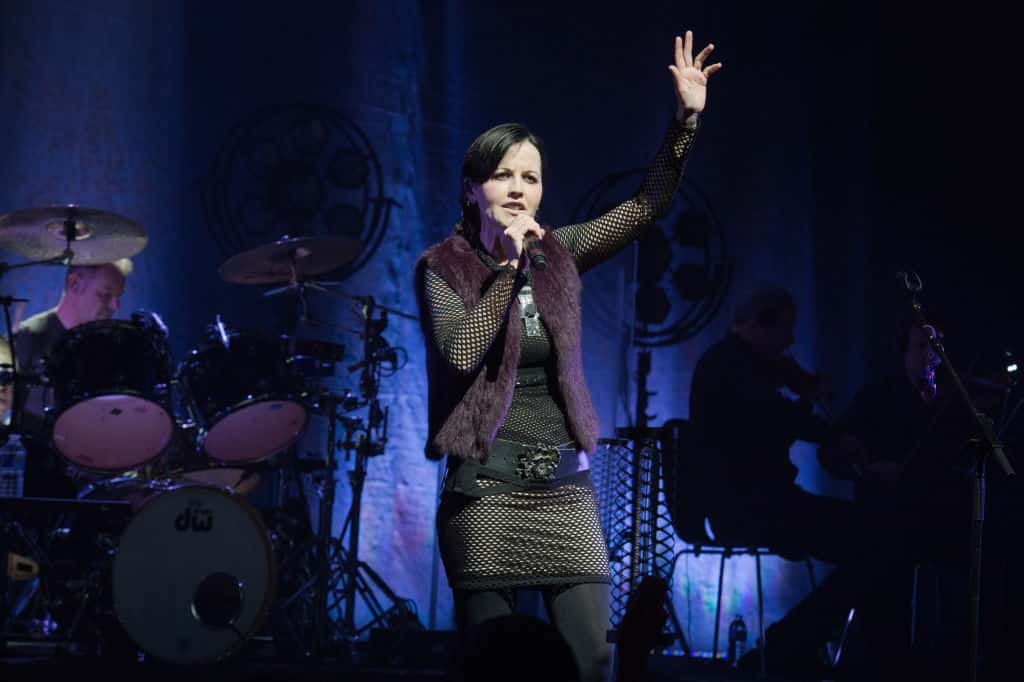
pixel 194 575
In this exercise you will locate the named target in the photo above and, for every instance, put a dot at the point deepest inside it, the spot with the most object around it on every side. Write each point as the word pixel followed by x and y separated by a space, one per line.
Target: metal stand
pixel 986 444
pixel 354 577
pixel 323 632
pixel 340 578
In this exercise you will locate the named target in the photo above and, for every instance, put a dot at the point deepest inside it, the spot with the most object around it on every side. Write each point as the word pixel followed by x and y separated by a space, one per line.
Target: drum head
pixel 112 432
pixel 255 432
pixel 194 575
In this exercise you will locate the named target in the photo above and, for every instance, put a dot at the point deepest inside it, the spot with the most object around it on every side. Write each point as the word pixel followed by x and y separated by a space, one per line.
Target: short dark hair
pixel 765 305
pixel 479 163
pixel 122 265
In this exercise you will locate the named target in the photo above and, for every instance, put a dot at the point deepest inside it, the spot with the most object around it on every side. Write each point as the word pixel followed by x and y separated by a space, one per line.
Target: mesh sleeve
pixel 464 336
pixel 597 240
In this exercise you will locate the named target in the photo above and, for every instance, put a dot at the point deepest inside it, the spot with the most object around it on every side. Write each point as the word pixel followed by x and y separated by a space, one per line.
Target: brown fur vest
pixel 466 410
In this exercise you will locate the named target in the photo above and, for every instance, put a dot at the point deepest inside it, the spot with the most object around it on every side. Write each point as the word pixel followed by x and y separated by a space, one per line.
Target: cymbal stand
pixel 355 575
pixel 323 632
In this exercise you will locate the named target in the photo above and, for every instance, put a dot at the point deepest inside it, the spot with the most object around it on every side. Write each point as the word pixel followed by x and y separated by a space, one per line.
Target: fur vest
pixel 466 410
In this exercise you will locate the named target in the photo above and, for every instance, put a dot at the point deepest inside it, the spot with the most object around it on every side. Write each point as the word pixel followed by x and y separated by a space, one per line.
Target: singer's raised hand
pixel 691 76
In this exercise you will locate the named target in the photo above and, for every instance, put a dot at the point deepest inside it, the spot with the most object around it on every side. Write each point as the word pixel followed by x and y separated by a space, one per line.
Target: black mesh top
pixel 464 335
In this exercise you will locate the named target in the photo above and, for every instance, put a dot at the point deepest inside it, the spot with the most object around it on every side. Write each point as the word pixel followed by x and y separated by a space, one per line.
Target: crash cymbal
pixel 278 262
pixel 100 236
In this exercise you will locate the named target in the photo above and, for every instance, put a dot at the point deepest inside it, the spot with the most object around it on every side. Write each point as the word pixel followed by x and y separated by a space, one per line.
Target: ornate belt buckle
pixel 538 463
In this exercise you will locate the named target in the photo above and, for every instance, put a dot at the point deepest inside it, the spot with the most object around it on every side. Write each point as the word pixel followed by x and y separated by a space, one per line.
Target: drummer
pixel 91 292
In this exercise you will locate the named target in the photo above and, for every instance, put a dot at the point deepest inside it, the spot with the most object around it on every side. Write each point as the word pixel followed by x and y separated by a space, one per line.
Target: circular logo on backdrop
pixel 297 171
pixel 683 268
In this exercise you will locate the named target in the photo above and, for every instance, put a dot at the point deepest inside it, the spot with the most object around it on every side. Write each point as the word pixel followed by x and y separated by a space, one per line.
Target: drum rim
pixel 80 330
pixel 271 594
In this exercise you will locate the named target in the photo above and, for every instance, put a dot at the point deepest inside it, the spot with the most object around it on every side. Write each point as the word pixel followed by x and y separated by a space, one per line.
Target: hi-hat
pixel 98 236
pixel 289 259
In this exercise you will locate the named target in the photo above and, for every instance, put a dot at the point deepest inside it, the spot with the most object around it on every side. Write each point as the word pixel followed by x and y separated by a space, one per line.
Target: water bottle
pixel 12 466
pixel 737 639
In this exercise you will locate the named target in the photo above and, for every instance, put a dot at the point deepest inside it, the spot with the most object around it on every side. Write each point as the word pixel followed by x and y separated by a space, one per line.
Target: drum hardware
pixel 245 396
pixel 111 403
pixel 333 572
pixel 364 440
pixel 70 542
pixel 194 575
pixel 336 576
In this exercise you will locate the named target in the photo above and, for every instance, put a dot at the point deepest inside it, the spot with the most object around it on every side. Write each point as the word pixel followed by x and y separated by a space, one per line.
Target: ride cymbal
pixel 99 236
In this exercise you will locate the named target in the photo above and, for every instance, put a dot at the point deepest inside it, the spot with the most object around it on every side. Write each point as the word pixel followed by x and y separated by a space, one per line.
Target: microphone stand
pixel 987 444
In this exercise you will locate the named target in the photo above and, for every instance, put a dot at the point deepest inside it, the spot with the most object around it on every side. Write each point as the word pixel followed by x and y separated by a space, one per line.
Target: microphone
pixel 531 244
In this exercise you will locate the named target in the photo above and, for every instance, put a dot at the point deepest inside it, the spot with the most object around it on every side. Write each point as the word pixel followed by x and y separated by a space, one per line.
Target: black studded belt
pixel 534 463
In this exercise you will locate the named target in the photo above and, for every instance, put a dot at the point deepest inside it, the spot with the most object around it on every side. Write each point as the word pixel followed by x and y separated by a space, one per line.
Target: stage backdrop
pixel 224 126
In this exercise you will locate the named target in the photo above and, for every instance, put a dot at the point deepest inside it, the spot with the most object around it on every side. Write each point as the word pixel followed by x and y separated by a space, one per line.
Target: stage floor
pixel 256 666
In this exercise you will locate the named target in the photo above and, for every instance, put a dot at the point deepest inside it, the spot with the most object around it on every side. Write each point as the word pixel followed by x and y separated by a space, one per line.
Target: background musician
pixel 743 426
pixel 91 292
pixel 903 441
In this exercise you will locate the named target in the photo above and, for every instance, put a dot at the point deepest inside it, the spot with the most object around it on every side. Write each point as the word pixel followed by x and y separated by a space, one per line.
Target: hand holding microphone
pixel 524 234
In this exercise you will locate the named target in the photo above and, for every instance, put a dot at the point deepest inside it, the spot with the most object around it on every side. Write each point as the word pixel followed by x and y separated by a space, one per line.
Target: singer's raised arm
pixel 596 240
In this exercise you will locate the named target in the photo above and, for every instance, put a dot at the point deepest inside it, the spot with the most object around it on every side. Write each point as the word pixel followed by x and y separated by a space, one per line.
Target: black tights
pixel 579 612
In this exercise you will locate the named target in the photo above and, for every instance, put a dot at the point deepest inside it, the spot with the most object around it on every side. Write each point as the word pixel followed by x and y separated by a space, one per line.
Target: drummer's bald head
pixel 122 266
pixel 92 292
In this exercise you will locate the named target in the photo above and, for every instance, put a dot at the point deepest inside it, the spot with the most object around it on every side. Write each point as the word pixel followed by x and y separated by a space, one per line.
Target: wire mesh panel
pixel 634 515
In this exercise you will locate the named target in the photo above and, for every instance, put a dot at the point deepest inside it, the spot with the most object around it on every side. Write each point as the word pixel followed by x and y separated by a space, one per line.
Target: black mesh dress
pixel 505 535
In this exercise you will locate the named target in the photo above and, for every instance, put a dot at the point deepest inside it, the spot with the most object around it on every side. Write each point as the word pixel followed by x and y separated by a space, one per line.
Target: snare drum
pixel 111 408
pixel 246 397
pixel 194 575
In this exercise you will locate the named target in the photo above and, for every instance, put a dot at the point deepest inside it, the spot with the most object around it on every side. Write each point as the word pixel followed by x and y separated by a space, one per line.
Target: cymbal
pixel 289 257
pixel 100 236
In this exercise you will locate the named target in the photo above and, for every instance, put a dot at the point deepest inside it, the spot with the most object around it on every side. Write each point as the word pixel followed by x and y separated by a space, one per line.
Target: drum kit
pixel 182 564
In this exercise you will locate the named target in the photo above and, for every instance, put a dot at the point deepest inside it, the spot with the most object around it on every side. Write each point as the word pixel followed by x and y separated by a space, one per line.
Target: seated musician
pixel 91 292
pixel 743 426
pixel 903 440
pixel 746 425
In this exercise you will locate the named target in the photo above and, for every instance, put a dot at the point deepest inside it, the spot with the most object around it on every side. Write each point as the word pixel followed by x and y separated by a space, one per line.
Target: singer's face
pixel 515 187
